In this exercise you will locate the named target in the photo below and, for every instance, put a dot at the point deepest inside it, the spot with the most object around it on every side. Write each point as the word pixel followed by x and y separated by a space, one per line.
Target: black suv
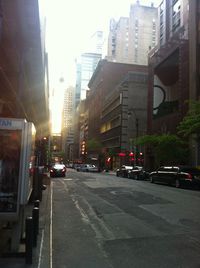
pixel 123 171
pixel 138 173
pixel 176 175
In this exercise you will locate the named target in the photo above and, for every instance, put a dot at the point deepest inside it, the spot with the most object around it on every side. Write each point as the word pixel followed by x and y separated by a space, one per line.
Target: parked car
pixel 75 166
pixel 58 170
pixel 138 173
pixel 176 175
pixel 123 171
pixel 87 168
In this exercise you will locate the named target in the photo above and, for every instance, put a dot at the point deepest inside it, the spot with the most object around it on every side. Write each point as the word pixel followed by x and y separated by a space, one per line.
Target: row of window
pixel 115 122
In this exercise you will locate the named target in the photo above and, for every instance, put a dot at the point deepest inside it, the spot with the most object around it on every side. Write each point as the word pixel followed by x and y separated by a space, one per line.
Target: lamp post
pixel 132 112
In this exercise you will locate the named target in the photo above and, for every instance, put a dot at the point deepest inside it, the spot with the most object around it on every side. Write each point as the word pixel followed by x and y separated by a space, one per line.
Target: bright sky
pixel 70 25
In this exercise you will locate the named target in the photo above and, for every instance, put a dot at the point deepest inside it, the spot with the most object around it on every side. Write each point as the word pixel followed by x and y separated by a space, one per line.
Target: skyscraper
pixel 68 128
pixel 86 65
pixel 89 62
pixel 96 42
pixel 130 39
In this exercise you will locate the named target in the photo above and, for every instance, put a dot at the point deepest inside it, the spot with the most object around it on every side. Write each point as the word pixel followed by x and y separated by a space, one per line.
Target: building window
pixel 154 25
pixel 176 18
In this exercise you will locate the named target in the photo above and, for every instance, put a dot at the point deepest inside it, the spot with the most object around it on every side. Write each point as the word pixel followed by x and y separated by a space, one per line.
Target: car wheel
pixel 117 174
pixel 151 179
pixel 129 176
pixel 177 183
pixel 134 177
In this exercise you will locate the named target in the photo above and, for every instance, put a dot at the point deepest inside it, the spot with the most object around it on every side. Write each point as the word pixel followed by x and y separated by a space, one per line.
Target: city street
pixel 89 86
pixel 98 220
pixel 103 221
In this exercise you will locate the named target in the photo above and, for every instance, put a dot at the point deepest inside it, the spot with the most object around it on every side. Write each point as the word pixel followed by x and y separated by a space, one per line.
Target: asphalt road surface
pixel 103 221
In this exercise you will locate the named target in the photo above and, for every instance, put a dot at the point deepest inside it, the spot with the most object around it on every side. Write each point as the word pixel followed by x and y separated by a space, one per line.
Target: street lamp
pixel 132 112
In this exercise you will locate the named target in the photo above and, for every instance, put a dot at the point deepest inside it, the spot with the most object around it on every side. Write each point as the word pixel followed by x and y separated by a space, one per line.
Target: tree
pixel 191 122
pixel 167 148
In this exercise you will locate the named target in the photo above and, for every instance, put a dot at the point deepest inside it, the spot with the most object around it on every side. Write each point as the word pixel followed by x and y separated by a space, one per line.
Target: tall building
pixel 118 40
pixel 194 63
pixel 130 39
pixel 107 106
pixel 89 62
pixel 96 42
pixel 169 70
pixel 24 63
pixel 194 45
pixel 78 84
pixel 68 127
pixel 86 65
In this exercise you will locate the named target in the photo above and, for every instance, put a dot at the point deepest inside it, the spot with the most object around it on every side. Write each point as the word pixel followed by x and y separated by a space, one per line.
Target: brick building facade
pixel 110 84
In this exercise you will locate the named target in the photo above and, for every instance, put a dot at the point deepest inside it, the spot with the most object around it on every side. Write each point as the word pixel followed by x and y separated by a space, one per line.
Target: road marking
pixel 50 227
pixel 82 212
pixel 101 230
pixel 41 246
pixel 67 179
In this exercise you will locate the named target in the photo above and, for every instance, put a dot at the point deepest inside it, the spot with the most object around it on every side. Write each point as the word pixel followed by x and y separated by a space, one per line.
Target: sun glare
pixel 56 107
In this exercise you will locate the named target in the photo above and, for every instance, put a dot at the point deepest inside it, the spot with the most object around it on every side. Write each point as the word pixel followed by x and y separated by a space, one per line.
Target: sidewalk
pixel 41 251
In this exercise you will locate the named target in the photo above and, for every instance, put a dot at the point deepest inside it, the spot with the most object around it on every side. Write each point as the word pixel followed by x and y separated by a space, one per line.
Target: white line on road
pixel 50 229
pixel 41 246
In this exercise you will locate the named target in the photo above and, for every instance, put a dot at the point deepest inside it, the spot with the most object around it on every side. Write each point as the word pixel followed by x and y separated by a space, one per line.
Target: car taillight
pixel 51 170
pixel 64 169
pixel 189 176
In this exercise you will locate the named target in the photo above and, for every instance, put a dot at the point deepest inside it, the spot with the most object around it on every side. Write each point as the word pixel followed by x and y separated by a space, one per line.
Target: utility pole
pixel 137 134
pixel 132 112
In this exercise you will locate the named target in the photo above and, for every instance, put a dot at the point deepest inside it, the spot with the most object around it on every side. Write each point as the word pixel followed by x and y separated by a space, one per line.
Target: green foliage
pixel 147 140
pixel 191 122
pixel 166 148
